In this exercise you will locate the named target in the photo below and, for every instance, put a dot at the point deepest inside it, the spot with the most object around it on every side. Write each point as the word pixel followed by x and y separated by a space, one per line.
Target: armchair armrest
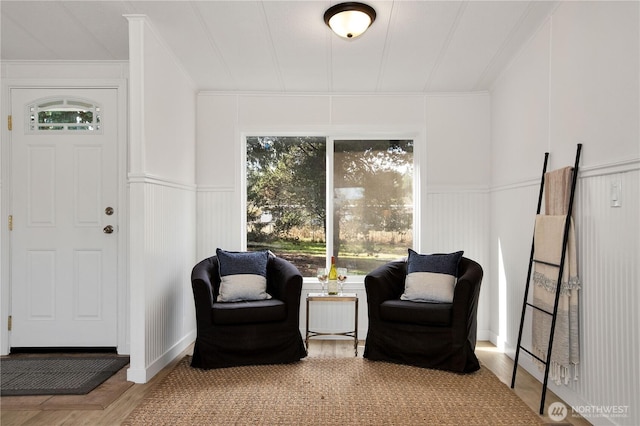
pixel 203 290
pixel 465 300
pixel 384 283
pixel 284 282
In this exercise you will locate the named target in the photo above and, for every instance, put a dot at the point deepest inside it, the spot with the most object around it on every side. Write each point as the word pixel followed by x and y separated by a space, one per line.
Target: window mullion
pixel 329 198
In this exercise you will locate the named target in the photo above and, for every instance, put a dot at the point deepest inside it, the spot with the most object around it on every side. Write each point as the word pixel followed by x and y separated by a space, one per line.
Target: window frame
pixel 331 137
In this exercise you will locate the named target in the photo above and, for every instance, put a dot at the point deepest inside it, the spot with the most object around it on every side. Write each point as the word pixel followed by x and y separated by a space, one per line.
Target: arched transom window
pixel 69 115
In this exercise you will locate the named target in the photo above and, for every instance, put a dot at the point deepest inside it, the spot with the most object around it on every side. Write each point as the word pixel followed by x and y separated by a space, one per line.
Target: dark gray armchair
pixel 432 335
pixel 247 332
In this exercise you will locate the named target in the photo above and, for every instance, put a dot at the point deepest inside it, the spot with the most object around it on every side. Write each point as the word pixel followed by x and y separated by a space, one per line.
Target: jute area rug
pixel 329 391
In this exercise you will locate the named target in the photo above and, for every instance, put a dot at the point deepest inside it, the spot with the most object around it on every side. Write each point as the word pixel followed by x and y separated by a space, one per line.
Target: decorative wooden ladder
pixel 560 267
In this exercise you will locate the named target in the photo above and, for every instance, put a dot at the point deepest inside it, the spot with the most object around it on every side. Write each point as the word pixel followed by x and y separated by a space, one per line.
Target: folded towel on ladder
pixel 557 190
pixel 548 238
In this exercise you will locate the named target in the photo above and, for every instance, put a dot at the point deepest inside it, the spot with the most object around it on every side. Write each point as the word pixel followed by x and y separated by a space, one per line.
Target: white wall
pixel 162 203
pixel 451 134
pixel 576 81
pixel 458 153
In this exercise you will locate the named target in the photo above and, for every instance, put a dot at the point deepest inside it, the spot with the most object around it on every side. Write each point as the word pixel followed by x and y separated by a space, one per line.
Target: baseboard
pixel 146 374
pixel 483 335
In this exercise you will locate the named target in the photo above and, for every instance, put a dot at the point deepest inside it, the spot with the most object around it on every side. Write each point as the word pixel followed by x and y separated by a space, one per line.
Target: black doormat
pixel 56 375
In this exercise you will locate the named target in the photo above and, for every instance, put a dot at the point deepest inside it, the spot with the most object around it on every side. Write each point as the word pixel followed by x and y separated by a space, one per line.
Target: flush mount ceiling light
pixel 349 19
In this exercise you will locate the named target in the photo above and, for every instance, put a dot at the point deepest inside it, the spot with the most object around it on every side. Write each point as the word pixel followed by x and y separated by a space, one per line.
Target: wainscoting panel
pixel 219 221
pixel 171 225
pixel 609 267
pixel 459 220
pixel 169 230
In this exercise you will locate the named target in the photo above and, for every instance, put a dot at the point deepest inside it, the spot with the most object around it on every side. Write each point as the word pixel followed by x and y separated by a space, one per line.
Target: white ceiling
pixel 284 46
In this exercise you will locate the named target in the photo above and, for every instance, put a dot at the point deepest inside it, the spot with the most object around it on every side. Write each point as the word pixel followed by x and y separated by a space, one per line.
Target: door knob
pixel 108 229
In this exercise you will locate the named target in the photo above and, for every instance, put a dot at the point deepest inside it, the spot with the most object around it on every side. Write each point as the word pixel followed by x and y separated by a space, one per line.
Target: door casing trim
pixel 121 87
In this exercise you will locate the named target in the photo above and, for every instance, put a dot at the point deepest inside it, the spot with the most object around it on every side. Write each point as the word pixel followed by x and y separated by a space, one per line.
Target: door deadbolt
pixel 108 229
pixel 108 211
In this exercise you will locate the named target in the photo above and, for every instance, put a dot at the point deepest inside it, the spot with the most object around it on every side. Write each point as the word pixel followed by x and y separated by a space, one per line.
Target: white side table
pixel 342 297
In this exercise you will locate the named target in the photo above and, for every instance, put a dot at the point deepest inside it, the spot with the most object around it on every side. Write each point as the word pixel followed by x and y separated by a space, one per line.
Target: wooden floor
pixel 14 414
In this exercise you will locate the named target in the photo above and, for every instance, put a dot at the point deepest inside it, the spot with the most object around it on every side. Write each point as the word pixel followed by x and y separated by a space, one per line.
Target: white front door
pixel 64 199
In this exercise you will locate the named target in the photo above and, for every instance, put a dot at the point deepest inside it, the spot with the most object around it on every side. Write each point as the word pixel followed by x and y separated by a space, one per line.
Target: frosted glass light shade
pixel 349 20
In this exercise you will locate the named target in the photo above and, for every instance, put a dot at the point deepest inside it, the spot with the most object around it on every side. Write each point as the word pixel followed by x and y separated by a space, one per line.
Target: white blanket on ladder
pixel 548 236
